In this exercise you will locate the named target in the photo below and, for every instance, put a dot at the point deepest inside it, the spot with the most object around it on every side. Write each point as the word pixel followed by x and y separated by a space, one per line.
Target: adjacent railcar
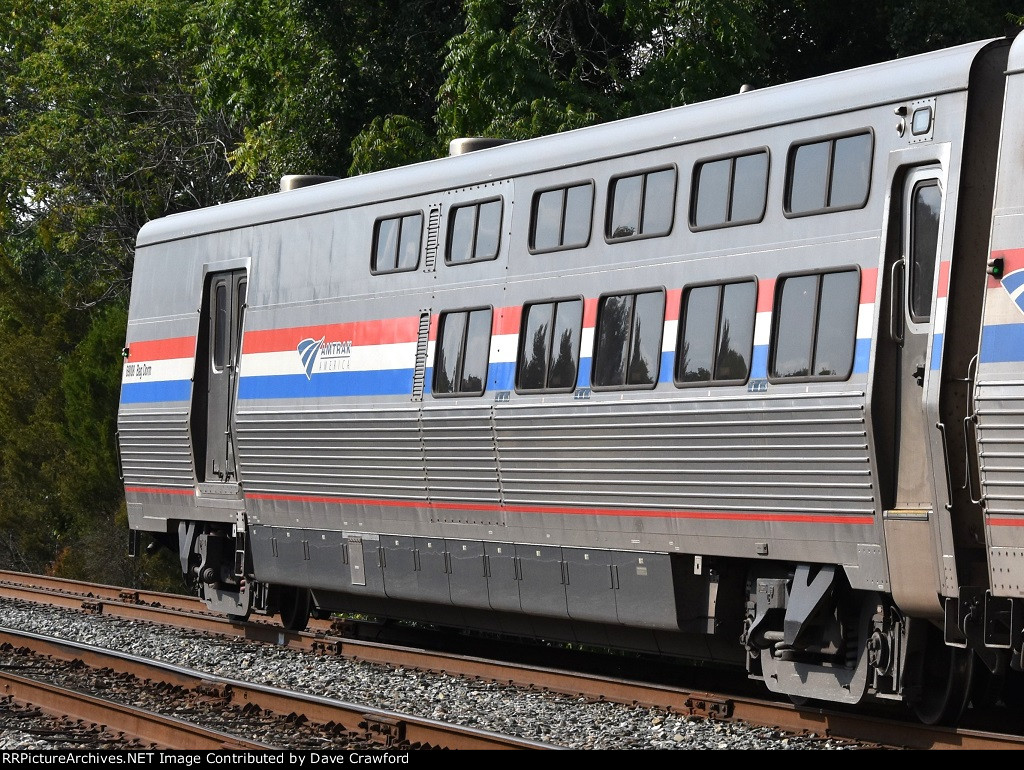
pixel 699 383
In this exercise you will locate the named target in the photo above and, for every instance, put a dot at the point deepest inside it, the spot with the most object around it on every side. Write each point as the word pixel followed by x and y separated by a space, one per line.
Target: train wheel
pixel 946 683
pixel 294 605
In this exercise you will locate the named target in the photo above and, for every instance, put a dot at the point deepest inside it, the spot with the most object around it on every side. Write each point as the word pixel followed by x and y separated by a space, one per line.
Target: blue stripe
pixel 1002 343
pixel 936 352
pixel 388 382
pixel 861 354
pixel 146 392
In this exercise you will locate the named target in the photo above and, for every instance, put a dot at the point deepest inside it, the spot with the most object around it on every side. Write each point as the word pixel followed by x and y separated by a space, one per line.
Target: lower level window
pixel 463 348
pixel 815 327
pixel 627 341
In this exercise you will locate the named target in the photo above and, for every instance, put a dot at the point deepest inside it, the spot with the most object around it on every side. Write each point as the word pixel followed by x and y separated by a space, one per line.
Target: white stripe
pixel 363 358
pixel 162 370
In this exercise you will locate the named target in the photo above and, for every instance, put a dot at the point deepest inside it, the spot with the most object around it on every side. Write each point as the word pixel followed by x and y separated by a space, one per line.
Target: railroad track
pixel 61 669
pixel 325 638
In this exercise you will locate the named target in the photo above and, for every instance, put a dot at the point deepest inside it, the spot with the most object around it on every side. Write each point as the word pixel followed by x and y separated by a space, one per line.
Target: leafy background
pixel 115 112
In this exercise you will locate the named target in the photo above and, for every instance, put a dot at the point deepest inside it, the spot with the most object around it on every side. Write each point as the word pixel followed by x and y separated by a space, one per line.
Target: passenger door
pixel 909 515
pixel 224 305
pixel 915 278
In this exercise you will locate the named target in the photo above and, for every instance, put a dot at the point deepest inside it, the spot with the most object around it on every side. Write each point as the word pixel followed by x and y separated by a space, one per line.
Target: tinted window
pixel 815 325
pixel 474 232
pixel 642 204
pixel 627 347
pixel 463 347
pixel 830 174
pixel 717 333
pixel 397 245
pixel 549 345
pixel 924 246
pixel 561 218
pixel 730 190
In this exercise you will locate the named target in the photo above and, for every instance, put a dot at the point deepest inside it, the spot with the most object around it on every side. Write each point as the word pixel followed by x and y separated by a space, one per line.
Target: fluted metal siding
pixel 1000 411
pixel 784 454
pixel 155 448
pixel 353 453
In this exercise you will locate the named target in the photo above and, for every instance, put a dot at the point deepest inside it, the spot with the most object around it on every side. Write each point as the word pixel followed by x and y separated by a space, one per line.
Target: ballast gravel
pixel 546 717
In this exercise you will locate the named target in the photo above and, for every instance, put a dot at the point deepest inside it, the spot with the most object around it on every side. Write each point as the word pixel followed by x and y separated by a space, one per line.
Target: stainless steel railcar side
pixel 342 398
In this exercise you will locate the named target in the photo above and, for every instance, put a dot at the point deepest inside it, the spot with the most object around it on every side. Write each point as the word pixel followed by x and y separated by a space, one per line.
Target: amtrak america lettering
pixel 322 356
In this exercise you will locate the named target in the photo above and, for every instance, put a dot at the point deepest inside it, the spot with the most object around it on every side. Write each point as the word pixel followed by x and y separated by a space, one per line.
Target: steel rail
pixel 389 728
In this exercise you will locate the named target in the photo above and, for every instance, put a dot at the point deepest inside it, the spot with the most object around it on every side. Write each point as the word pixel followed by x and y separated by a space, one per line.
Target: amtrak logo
pixel 1014 285
pixel 332 356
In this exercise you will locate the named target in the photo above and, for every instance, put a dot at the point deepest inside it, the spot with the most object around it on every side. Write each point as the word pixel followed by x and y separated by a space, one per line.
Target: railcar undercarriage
pixel 806 633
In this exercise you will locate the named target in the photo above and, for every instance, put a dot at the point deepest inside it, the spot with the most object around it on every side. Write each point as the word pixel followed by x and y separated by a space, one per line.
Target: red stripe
pixel 159 491
pixel 765 294
pixel 155 350
pixel 943 288
pixel 868 285
pixel 562 511
pixel 506 320
pixel 672 299
pixel 382 332
pixel 1017 522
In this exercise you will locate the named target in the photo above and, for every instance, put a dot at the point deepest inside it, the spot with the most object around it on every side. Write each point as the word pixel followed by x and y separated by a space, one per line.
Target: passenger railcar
pixel 738 381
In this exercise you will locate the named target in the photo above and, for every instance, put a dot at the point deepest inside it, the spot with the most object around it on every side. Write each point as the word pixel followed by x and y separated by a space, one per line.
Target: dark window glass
pixel 474 232
pixel 488 230
pixel 712 193
pixel 851 171
pixel 736 331
pixel 837 324
pixel 717 334
pixel 463 348
pixel 397 246
pixel 547 220
pixel 730 190
pixel 220 321
pixel 659 202
pixel 643 204
pixel 809 181
pixel 625 218
pixel 387 245
pixel 924 233
pixel 830 174
pixel 750 188
pixel 627 350
pixel 816 325
pixel 409 244
pixel 579 208
pixel 549 345
pixel 695 357
pixel 561 218
pixel 795 327
pixel 478 344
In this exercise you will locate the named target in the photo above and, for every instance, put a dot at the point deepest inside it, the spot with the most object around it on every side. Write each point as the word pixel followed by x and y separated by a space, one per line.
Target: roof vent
pixel 295 181
pixel 473 143
pixel 745 88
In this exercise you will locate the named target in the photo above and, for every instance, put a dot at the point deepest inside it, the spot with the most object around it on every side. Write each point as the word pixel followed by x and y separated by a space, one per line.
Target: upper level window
pixel 396 243
pixel 716 333
pixel 562 217
pixel 627 341
pixel 549 345
pixel 463 350
pixel 729 191
pixel 642 205
pixel 815 325
pixel 829 174
pixel 474 232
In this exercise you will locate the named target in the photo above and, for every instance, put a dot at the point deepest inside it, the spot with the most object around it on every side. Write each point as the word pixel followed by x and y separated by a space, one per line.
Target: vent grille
pixel 433 238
